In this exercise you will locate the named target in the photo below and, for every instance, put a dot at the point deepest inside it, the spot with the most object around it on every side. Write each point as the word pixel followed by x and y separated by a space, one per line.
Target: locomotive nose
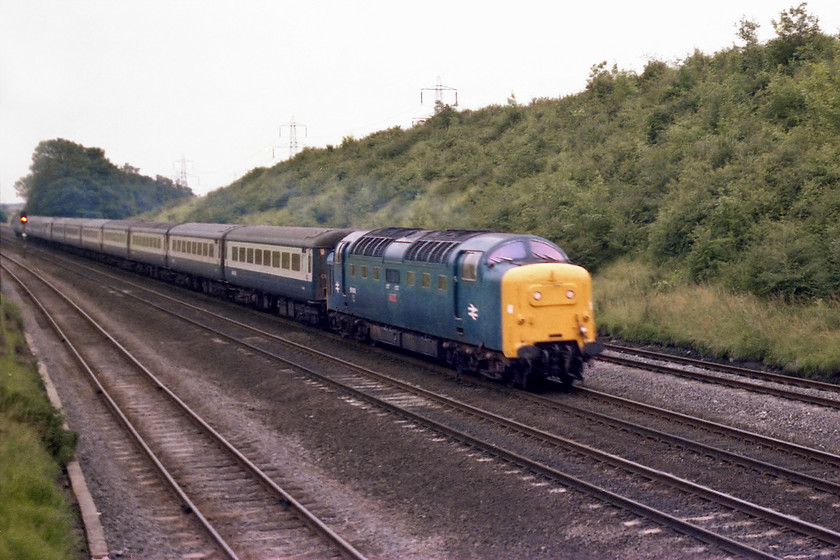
pixel 547 303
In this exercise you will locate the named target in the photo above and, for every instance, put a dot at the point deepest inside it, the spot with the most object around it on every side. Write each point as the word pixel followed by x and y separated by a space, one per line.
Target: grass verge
pixel 36 519
pixel 640 303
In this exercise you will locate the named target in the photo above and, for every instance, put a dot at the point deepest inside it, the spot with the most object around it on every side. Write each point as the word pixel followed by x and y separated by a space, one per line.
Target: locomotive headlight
pixel 538 295
pixel 570 294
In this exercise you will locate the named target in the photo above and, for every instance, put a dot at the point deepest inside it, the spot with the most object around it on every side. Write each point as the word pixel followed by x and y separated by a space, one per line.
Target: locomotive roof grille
pixel 436 246
pixel 371 246
pixel 429 246
pixel 431 251
pixel 374 243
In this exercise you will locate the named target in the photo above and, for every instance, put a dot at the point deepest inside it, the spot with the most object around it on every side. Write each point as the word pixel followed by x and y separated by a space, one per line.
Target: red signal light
pixel 23 219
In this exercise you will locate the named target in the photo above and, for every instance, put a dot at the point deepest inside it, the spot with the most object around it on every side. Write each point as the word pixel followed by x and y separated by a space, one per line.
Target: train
pixel 508 307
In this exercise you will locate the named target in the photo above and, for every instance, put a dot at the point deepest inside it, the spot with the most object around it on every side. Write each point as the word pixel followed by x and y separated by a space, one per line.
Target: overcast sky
pixel 217 83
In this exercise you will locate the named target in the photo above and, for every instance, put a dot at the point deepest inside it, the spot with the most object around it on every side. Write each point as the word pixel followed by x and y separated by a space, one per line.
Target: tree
pixel 798 36
pixel 68 179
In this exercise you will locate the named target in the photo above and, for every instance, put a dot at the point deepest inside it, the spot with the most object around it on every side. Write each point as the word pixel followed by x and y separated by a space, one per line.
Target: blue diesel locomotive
pixel 509 307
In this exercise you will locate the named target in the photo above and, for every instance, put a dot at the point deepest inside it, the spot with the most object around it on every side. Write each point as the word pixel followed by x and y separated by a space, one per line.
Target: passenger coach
pixel 287 266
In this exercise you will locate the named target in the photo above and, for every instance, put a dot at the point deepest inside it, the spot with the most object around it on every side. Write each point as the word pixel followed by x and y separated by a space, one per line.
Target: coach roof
pixel 210 231
pixel 289 236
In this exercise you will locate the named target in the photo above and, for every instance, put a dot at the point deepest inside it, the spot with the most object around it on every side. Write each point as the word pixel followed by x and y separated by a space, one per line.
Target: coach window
pixel 242 254
pixel 364 271
pixel 205 251
pixel 250 255
pixel 258 256
pixel 275 259
pixel 353 270
pixel 426 280
pixel 296 262
pixel 212 251
pixel 441 282
pixel 409 277
pixel 376 273
pixel 286 260
pixel 267 257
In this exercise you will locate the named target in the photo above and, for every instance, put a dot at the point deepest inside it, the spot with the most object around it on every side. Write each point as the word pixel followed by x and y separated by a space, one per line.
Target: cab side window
pixel 469 267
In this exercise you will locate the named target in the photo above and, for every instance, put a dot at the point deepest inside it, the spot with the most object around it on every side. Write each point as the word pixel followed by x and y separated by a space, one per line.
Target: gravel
pixel 396 490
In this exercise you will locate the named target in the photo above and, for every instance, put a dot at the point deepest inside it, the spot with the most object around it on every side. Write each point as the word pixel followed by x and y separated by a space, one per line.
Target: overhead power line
pixel 439 90
pixel 293 141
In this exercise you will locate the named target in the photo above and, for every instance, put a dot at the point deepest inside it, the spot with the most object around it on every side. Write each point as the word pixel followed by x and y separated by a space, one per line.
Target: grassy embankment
pixel 722 168
pixel 640 303
pixel 36 519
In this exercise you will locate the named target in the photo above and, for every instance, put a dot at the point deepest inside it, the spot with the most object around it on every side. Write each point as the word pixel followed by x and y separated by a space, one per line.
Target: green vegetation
pixel 644 304
pixel 720 173
pixel 35 518
pixel 70 180
pixel 725 167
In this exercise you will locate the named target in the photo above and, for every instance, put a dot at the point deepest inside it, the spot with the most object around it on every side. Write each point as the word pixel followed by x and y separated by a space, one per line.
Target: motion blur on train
pixel 508 307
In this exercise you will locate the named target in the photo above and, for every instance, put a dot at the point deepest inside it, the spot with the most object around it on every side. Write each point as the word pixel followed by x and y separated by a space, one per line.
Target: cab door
pixel 466 278
pixel 338 277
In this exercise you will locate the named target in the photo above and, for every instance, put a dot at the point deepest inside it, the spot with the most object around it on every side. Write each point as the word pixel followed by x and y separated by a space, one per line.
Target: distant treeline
pixel 70 180
pixel 725 167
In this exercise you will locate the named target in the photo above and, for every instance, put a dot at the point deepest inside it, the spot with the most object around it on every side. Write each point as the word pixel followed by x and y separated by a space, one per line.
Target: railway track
pixel 757 381
pixel 423 408
pixel 245 513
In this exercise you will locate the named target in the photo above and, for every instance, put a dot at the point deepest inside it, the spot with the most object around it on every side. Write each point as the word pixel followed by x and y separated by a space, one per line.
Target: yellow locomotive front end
pixel 547 318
